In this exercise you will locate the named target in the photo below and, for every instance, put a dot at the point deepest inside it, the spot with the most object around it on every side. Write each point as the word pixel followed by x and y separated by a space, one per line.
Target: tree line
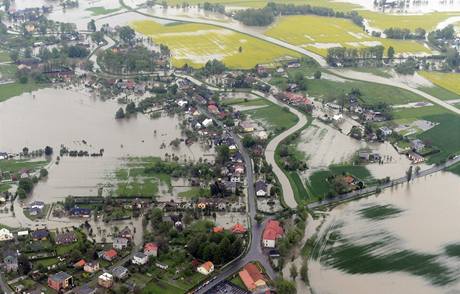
pixel 266 16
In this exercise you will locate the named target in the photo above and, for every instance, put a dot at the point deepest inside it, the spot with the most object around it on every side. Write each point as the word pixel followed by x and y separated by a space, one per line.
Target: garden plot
pixel 195 44
pixel 415 127
pixel 327 32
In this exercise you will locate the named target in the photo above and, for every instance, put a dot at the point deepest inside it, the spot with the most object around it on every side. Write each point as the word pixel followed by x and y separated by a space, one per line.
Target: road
pixel 366 191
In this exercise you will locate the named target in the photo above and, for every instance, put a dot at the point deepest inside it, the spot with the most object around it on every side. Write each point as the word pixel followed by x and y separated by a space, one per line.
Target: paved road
pixel 367 191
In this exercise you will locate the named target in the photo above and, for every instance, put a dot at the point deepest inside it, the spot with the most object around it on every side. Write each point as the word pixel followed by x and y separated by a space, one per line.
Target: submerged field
pixel 317 34
pixel 195 44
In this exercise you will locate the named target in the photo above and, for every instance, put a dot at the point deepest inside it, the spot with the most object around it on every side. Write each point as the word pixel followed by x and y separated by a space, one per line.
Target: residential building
pixel 261 188
pixel 151 249
pixel 23 234
pixel 120 243
pixel 386 131
pixel 252 277
pixel 126 233
pixel 105 280
pixel 272 232
pixel 247 127
pixel 415 158
pixel 59 281
pixel 79 264
pixel 65 238
pixel 206 268
pixel 37 204
pixel 161 265
pixel 109 255
pixel 120 272
pixel 40 234
pixel 5 235
pixel 10 260
pixel 91 267
pixel 238 229
pixel 80 212
pixel 140 258
pixel 217 229
pixel 207 122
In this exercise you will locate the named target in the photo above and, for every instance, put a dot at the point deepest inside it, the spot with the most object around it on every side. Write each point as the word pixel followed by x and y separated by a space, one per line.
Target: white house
pixel 140 258
pixel 207 122
pixel 206 268
pixel 182 103
pixel 261 189
pixel 5 235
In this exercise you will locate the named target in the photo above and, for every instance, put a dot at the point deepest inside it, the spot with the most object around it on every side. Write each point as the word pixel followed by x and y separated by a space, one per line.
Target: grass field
pixel 195 192
pixel 371 93
pixel 317 33
pixel 195 44
pixel 448 81
pixel 440 93
pixel 4 56
pixel 14 166
pixel 273 116
pixel 100 10
pixel 15 89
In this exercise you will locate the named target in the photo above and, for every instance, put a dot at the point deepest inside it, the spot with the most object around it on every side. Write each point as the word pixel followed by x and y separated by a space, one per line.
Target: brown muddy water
pixel 405 240
pixel 57 116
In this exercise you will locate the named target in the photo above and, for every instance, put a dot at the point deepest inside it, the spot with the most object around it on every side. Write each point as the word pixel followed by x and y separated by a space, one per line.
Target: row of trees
pixel 349 56
pixel 405 34
pixel 133 60
pixel 265 16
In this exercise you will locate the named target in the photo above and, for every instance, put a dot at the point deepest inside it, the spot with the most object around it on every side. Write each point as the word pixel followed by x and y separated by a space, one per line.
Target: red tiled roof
pixel 273 230
pixel 80 263
pixel 238 229
pixel 150 247
pixel 207 265
pixel 250 275
pixel 110 253
pixel 247 280
pixel 218 229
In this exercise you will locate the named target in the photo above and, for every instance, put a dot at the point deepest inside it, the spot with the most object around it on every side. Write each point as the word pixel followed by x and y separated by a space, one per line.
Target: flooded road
pixel 405 238
pixel 57 116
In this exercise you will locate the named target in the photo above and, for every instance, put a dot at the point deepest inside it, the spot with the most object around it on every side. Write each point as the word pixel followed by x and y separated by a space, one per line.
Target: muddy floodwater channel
pixel 405 238
pixel 81 121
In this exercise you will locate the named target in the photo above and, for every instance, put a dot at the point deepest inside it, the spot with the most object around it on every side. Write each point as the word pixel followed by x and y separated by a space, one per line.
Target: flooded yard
pixel 405 238
pixel 80 121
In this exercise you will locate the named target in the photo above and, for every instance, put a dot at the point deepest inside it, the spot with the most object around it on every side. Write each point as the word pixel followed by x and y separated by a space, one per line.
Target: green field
pixel 440 93
pixel 100 10
pixel 448 81
pixel 4 56
pixel 15 89
pixel 317 33
pixel 320 187
pixel 14 166
pixel 195 44
pixel 195 192
pixel 273 116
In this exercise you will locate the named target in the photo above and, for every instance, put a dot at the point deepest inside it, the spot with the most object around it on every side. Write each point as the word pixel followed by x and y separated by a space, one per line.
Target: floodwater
pixel 57 116
pixel 425 6
pixel 405 238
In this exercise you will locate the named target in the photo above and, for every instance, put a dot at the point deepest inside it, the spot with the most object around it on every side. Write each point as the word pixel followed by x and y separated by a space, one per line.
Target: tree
pixel 127 34
pixel 130 108
pixel 43 173
pixel 293 271
pixel 26 184
pixel 284 287
pixel 248 141
pixel 304 271
pixel 391 52
pixel 223 154
pixel 317 75
pixel 120 113
pixel 48 151
pixel 409 174
pixel 91 25
pixel 14 55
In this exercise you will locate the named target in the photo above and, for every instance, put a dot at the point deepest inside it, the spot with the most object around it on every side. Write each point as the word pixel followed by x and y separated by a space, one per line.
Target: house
pixel 217 229
pixel 213 109
pixel 79 264
pixel 5 235
pixel 230 187
pixel 415 158
pixel 293 64
pixel 151 249
pixel 60 281
pixel 139 258
pixel 238 168
pixel 126 233
pixel 120 243
pixel 37 204
pixel 120 272
pixel 161 265
pixel 252 277
pixel 109 255
pixel 386 131
pixel 247 126
pixel 272 232
pixel 40 234
pixel 85 289
pixel 207 122
pixel 206 268
pixel 182 103
pixel 105 280
pixel 91 267
pixel 261 189
pixel 65 238
pixel 417 145
pixel 80 212
pixel 238 229
pixel 10 260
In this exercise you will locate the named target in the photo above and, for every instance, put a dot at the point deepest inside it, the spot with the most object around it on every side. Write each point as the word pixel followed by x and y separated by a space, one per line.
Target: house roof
pixel 140 255
pixel 110 253
pixel 251 276
pixel 60 276
pixel 39 234
pixel 261 186
pixel 207 266
pixel 119 271
pixel 151 246
pixel 66 238
pixel 80 263
pixel 238 229
pixel 120 241
pixel 273 230
pixel 217 229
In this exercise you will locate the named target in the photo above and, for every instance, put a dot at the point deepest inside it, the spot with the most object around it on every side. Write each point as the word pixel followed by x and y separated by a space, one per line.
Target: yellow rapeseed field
pixel 195 44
